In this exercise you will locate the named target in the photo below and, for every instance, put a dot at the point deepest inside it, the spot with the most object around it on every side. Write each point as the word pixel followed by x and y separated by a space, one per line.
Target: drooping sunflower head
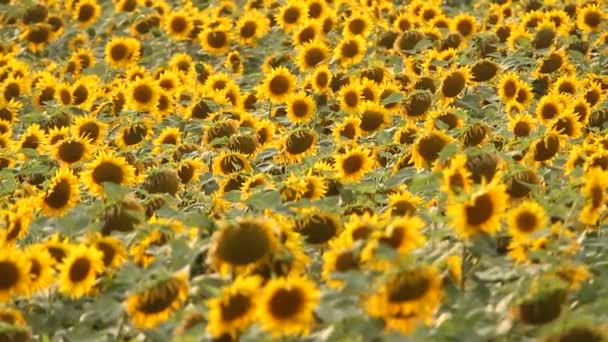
pixel 427 148
pixel 227 163
pixel 244 243
pixel 417 104
pixel 155 304
pixel 541 308
pixel 300 143
pixel 317 228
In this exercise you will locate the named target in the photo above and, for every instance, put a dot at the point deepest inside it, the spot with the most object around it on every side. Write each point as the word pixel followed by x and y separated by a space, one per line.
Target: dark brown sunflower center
pixel 522 129
pixel 418 104
pixel 430 146
pixel 350 49
pixel 546 148
pixel 510 88
pixel 119 52
pixel 236 307
pixel 80 94
pixel 371 120
pixel 453 84
pixel 179 24
pixel 143 94
pixel 134 135
pixel 80 269
pixel 299 142
pixel 357 26
pixel 317 229
pixel 480 211
pixel 362 232
pixel 89 130
pixel 314 56
pixel 526 222
pixel 85 12
pixel 544 38
pixel 395 238
pixel 59 195
pixel 243 244
pixel 109 252
pixel 408 287
pixel 542 310
pixel 217 39
pixel 58 253
pixel 551 63
pixel 158 299
pixel 286 303
pixel 352 164
pixel 35 269
pixel 348 131
pixel 248 29
pixel 38 35
pixel 596 195
pixel 10 275
pixel 71 151
pixel 346 261
pixel 592 19
pixel 291 15
pixel 300 108
pixel 315 9
pixel 279 85
pixel 108 172
pixel 484 71
pixel 11 91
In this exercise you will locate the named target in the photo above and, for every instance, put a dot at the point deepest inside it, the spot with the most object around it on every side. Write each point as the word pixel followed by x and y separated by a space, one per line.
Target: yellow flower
pixel 235 308
pixel 525 220
pixel 62 194
pixel 278 85
pixel 107 167
pixel 79 271
pixel 353 164
pixel 287 304
pixel 594 190
pixel 14 268
pixel 154 305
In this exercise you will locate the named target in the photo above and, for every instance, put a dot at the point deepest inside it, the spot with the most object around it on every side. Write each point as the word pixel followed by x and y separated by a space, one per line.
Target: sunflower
pixel 251 26
pixel 291 15
pixel 33 138
pixel 357 24
pixel 298 144
pixel 317 227
pixel 548 108
pixel 354 163
pixel 71 150
pixel 17 221
pixel 14 268
pixel 456 178
pixel 566 85
pixel 361 227
pixel 347 129
pixel 522 125
pixel 590 18
pixel 307 33
pixel 350 50
pixel 554 61
pixel 349 97
pixel 38 36
pixel 113 251
pixel 465 24
pixel 545 148
pixel 286 306
pixel 107 167
pixel 179 24
pixel 481 212
pixel 79 270
pixel 235 308
pixel 507 86
pixel 525 220
pixel 168 136
pixel 41 268
pixel 133 135
pixel 300 108
pixel 427 148
pixel 407 299
pixel 311 54
pixel 247 242
pixel 62 193
pixel 340 257
pixel 454 82
pixel 567 124
pixel 417 104
pixel 143 94
pixel 87 12
pixel 9 111
pixel 215 40
pixel 594 191
pixel 524 94
pixel 122 52
pixel 316 187
pixel 189 170
pixel 155 304
pixel 278 85
pixel 89 127
pixel 227 163
pixel 402 203
pixel 373 117
pixel 403 234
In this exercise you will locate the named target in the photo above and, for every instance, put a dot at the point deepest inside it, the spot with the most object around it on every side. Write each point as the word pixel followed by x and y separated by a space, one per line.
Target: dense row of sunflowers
pixel 334 169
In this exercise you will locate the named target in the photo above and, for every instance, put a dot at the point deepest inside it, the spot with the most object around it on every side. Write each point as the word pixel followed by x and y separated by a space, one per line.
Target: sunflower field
pixel 303 170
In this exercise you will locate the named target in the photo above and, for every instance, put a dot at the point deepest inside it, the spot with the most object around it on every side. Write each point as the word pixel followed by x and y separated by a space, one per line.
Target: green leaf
pixel 265 199
pixel 393 98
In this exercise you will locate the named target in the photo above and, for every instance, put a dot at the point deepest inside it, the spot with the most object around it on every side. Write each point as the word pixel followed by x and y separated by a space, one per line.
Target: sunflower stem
pixel 462 267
